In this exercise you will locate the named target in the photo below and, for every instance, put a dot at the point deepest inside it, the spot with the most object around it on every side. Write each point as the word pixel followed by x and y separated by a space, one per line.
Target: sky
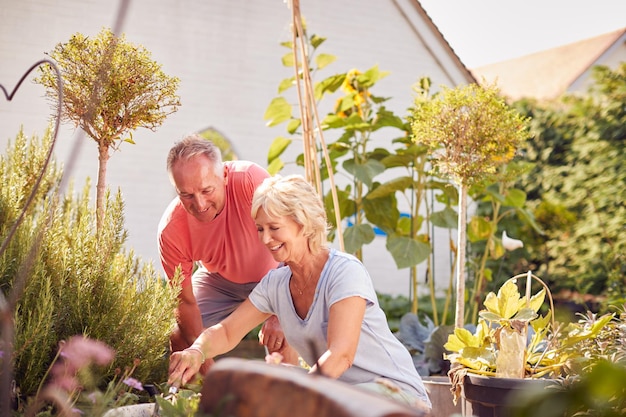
pixel 486 31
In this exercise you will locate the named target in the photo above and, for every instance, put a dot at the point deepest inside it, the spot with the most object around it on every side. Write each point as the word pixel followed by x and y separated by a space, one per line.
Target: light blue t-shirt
pixel 379 353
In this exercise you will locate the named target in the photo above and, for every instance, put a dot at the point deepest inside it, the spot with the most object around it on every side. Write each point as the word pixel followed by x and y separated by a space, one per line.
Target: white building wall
pixel 227 55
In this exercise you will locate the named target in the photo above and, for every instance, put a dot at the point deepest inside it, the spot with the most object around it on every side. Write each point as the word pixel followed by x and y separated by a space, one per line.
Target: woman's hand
pixel 184 365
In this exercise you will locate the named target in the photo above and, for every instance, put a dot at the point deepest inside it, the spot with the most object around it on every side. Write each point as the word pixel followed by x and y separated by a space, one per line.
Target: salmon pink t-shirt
pixel 229 244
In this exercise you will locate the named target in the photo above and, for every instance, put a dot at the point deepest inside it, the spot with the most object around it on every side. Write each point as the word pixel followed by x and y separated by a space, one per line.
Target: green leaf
pixel 537 300
pixel 293 125
pixel 385 118
pixel 496 250
pixel 515 198
pixel 288 59
pixel 526 314
pixel 383 212
pixel 278 111
pixel 479 229
pixel 390 187
pixel 407 252
pixel 316 41
pixel 403 227
pixel 364 172
pixel 322 60
pixel 371 76
pixel 446 218
pixel 489 316
pixel 275 166
pixel 286 84
pixel 529 219
pixel 354 237
pixel 277 147
pixel 328 85
pixel 332 121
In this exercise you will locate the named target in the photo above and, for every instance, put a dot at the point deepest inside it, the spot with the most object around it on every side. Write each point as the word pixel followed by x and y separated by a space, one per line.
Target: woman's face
pixel 282 236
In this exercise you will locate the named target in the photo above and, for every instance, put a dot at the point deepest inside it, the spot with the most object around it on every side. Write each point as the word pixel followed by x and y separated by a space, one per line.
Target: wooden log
pixel 252 388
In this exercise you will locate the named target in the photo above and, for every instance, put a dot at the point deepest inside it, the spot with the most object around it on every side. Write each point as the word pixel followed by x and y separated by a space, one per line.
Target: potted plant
pixel 515 347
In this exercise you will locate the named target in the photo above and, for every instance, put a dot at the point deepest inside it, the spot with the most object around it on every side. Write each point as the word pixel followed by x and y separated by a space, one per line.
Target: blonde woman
pixel 323 298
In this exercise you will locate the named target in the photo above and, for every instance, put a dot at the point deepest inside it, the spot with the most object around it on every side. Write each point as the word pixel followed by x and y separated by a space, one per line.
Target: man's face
pixel 201 191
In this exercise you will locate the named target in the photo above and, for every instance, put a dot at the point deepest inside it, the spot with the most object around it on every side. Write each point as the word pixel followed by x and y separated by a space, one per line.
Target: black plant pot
pixel 496 397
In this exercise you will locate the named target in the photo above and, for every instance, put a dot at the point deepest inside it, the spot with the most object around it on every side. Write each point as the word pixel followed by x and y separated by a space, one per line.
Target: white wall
pixel 227 55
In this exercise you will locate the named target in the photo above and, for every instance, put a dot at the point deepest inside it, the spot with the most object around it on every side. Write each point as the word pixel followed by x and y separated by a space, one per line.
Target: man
pixel 208 227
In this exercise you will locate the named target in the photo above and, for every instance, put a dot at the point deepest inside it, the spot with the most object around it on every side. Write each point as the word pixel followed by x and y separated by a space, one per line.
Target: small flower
pixel 274 358
pixel 133 383
pixel 80 351
pixel 510 243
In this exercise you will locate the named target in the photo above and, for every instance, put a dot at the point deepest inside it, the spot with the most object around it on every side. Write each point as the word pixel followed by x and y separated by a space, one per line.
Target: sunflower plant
pixel 384 181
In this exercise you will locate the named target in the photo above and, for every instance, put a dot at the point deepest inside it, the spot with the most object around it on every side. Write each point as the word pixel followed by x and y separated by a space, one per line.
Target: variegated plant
pixel 551 347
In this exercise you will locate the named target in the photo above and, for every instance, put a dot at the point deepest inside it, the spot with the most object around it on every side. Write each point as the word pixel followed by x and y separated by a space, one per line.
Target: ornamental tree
pixel 111 87
pixel 471 132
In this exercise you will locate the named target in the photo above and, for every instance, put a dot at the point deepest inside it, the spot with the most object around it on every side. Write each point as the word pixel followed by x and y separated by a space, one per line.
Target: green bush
pixel 577 188
pixel 77 281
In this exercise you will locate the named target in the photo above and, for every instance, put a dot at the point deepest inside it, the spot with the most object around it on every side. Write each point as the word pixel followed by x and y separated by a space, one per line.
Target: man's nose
pixel 199 202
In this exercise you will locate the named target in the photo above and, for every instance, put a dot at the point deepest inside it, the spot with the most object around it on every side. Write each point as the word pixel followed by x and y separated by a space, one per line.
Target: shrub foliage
pixel 77 281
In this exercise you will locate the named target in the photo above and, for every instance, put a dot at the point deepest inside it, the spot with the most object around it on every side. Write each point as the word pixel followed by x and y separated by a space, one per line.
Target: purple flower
pixel 133 383
pixel 80 351
pixel 77 353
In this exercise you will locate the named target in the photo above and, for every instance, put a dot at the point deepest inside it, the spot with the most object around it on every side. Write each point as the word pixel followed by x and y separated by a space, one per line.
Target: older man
pixel 207 231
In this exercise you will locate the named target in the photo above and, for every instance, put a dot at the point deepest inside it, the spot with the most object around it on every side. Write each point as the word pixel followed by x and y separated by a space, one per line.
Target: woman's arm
pixel 215 340
pixel 344 330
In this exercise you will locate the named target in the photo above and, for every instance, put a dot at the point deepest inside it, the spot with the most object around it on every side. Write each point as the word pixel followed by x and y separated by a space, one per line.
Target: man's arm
pixel 188 319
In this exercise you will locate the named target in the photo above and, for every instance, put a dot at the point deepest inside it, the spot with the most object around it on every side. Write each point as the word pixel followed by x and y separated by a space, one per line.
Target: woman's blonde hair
pixel 293 196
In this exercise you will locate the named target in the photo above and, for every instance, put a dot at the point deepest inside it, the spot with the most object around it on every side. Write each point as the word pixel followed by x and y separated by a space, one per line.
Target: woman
pixel 323 298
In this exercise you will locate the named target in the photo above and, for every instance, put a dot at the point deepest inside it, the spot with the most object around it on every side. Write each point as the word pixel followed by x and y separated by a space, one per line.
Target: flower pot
pixel 441 397
pixel 493 397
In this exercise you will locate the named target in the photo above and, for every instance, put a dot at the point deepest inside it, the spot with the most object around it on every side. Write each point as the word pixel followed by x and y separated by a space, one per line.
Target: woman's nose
pixel 265 237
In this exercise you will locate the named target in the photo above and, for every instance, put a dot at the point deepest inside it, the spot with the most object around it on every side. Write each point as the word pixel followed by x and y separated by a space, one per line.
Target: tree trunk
pixel 460 267
pixel 103 158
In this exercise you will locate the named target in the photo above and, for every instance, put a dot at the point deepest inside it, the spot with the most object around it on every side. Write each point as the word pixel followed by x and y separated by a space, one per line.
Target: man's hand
pixel 271 335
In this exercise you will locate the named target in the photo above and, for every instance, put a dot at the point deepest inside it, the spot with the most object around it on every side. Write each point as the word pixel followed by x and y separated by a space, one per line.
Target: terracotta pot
pixel 441 397
pixel 494 397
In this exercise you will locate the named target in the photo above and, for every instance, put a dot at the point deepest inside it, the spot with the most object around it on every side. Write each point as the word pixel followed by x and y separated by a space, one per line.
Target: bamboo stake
pixel 309 115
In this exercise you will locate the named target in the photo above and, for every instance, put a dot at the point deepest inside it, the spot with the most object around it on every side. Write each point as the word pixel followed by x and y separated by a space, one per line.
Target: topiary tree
pixel 111 87
pixel 471 132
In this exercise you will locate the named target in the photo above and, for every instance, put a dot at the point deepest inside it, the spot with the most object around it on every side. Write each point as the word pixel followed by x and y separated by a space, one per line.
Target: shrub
pixel 79 282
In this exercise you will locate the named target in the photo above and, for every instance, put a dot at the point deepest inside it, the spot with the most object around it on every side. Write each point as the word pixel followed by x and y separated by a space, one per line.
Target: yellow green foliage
pixel 75 281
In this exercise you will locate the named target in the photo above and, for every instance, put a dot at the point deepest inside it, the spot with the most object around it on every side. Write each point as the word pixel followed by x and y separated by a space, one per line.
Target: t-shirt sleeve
pixel 171 258
pixel 255 176
pixel 349 278
pixel 259 297
pixel 171 235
